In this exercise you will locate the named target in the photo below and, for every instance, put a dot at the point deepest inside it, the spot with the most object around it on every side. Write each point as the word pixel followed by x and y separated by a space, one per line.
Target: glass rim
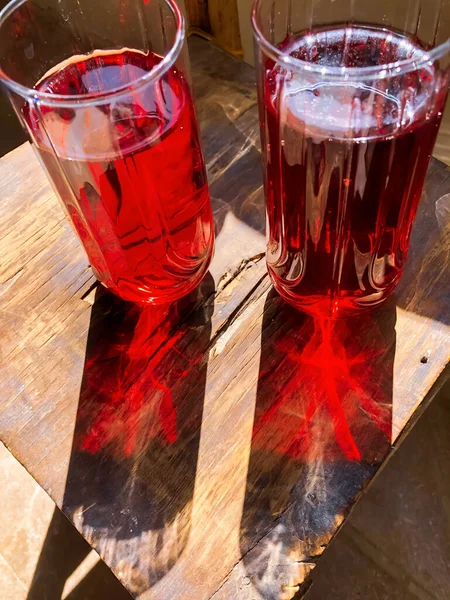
pixel 93 98
pixel 396 68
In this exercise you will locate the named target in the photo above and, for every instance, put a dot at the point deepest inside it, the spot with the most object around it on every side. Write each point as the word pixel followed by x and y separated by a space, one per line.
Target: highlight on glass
pixel 104 94
pixel 351 95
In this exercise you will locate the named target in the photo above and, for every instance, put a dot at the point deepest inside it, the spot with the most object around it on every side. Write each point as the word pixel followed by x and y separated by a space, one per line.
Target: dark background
pixel 11 132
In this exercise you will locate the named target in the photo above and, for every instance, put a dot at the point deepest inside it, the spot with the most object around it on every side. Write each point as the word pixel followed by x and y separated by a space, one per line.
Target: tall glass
pixel 351 96
pixel 102 90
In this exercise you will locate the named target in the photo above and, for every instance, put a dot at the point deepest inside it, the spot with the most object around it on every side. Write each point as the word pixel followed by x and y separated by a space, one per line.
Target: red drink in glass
pixel 108 106
pixel 345 161
pixel 135 186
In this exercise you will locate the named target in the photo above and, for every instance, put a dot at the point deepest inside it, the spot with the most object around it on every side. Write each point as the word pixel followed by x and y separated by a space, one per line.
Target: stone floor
pixel 394 546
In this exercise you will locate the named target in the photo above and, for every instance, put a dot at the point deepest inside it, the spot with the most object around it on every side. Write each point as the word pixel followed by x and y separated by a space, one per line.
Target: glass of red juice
pixel 351 96
pixel 103 91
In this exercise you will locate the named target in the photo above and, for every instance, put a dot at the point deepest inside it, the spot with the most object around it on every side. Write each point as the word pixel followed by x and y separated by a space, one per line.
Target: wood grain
pixel 210 449
pixel 218 21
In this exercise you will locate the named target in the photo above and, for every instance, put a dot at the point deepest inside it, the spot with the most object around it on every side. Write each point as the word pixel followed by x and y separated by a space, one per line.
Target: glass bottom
pixel 133 293
pixel 323 306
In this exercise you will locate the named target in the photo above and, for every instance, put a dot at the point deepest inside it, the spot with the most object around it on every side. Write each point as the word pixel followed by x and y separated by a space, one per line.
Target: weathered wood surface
pixel 210 450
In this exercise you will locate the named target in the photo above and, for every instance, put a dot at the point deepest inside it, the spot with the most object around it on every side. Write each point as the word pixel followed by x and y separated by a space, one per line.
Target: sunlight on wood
pixel 414 374
pixel 80 573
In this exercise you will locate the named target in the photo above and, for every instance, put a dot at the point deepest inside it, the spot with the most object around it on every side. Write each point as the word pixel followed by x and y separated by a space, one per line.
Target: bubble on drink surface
pixel 340 111
pixel 347 108
pixel 353 47
pixel 136 117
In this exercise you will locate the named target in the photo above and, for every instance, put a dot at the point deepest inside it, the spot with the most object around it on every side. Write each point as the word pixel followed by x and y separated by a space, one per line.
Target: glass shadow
pixel 322 426
pixel 131 475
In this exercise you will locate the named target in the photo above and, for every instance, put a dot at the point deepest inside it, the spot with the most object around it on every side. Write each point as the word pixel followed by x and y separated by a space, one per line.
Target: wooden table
pixel 211 450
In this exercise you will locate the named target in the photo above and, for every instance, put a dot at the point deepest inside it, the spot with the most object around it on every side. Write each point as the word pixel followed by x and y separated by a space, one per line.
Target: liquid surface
pixel 130 173
pixel 345 165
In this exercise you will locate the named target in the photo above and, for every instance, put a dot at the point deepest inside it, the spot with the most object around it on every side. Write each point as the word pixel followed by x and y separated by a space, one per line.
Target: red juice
pixel 345 165
pixel 130 172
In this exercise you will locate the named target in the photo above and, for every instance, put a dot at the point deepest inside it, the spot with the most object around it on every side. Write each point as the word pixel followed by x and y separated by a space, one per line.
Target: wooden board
pixel 211 450
pixel 217 20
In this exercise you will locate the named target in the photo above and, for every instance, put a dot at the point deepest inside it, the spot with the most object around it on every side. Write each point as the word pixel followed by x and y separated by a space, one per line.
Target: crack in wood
pixel 307 560
pixel 4 285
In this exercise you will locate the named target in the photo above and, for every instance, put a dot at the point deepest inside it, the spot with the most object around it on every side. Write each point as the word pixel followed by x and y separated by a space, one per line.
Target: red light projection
pixel 138 395
pixel 137 431
pixel 325 387
pixel 332 388
pixel 137 359
pixel 322 423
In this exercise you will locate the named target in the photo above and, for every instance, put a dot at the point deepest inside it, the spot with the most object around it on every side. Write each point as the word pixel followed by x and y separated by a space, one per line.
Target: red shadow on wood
pixel 131 476
pixel 322 426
